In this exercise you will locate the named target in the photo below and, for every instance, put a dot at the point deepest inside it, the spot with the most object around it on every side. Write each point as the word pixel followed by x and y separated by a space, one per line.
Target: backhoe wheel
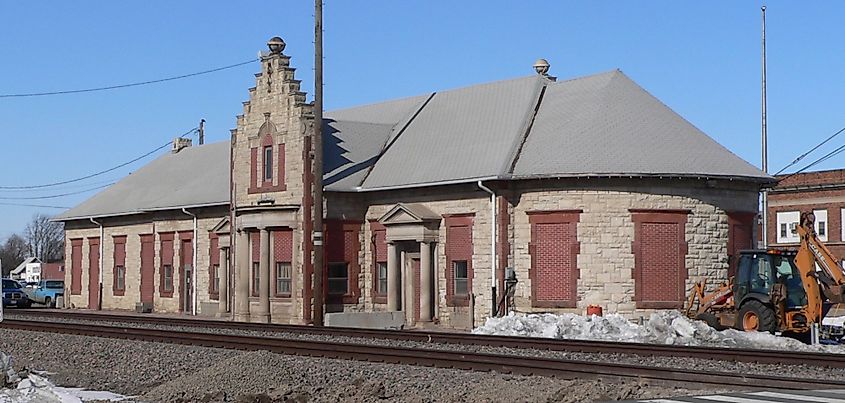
pixel 755 316
pixel 711 320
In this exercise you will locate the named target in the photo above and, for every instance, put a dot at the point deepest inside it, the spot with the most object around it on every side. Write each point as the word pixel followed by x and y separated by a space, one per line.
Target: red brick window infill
pixel 255 244
pixel 459 252
pixel 343 247
pixel 554 249
pixel 119 269
pixel 660 250
pixel 283 262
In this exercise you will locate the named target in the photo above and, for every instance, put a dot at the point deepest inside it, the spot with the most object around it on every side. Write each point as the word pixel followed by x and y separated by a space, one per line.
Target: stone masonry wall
pixel 606 232
pixel 132 293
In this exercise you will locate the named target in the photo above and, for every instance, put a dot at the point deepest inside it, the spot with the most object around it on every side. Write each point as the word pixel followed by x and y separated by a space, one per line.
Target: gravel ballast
pixel 806 371
pixel 157 372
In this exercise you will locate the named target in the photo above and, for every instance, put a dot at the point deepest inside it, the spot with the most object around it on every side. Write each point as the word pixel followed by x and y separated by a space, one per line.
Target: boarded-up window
pixel 660 251
pixel 740 227
pixel 94 273
pixel 119 269
pixel 76 266
pixel 342 250
pixel 458 259
pixel 554 251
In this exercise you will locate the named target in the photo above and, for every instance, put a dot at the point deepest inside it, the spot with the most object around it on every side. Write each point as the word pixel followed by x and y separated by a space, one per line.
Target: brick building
pixel 822 193
pixel 591 189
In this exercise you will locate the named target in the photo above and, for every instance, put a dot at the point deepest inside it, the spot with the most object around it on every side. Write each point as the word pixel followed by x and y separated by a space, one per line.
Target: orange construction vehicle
pixel 775 290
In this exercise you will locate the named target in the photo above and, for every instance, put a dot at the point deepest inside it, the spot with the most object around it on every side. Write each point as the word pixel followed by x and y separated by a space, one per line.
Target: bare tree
pixel 45 238
pixel 12 253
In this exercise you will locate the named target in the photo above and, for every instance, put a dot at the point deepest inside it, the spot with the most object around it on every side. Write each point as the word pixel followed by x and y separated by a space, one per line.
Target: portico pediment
pixel 403 213
pixel 410 222
pixel 222 229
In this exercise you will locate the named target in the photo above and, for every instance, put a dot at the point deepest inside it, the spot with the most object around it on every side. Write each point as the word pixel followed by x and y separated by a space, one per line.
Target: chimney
pixel 179 143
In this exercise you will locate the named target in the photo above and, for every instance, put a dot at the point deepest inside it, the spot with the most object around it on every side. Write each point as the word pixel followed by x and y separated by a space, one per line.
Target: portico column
pixel 222 282
pixel 264 276
pixel 425 281
pixel 242 280
pixel 393 278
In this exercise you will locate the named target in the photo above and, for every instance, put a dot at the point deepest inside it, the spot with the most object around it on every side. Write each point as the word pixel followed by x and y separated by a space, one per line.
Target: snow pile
pixel 663 327
pixel 35 388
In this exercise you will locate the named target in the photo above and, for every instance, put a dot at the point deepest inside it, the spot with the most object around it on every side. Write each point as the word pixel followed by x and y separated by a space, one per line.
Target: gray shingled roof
pixel 608 125
pixel 195 176
pixel 600 125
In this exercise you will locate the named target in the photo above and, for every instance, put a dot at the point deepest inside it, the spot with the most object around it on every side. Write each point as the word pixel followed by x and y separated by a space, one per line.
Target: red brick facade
pixel 458 248
pixel 660 251
pixel 554 252
pixel 807 192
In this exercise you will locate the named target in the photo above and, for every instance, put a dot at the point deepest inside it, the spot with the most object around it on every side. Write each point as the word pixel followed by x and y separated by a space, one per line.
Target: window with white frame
pixel 821 224
pixel 787 226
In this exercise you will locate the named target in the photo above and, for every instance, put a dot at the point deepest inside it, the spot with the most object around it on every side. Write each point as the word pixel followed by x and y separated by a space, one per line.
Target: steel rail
pixel 760 356
pixel 520 365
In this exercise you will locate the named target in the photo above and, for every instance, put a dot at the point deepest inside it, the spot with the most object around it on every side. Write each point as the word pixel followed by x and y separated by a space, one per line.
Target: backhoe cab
pixel 774 290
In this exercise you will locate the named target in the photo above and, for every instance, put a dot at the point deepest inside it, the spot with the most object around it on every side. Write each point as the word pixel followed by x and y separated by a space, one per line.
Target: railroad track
pixel 582 346
pixel 567 369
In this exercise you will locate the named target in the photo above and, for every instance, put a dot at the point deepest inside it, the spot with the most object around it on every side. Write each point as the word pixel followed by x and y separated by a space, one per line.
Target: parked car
pixel 14 294
pixel 46 291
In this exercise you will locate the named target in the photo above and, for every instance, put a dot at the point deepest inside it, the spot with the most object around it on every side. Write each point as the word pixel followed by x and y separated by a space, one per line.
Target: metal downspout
pixel 100 263
pixel 194 265
pixel 493 256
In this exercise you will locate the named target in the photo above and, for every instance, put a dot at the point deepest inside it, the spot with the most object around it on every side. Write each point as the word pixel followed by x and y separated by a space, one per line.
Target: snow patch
pixel 35 388
pixel 662 327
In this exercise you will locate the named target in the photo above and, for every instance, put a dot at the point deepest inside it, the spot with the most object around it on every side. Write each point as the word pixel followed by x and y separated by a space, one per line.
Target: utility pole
pixel 318 164
pixel 202 131
pixel 765 193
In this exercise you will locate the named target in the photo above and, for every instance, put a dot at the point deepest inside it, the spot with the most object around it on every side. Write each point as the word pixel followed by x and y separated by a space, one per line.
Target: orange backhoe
pixel 775 290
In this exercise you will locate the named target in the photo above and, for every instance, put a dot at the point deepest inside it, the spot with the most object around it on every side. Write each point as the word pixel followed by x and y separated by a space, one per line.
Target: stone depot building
pixel 591 189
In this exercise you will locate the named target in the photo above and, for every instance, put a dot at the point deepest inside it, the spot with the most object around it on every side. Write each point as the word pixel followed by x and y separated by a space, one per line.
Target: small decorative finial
pixel 276 45
pixel 541 66
pixel 266 116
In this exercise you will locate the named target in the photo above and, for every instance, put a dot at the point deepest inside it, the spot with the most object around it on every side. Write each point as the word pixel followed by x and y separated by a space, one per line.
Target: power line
pixel 800 157
pixel 70 186
pixel 96 173
pixel 818 161
pixel 32 205
pixel 114 87
pixel 56 196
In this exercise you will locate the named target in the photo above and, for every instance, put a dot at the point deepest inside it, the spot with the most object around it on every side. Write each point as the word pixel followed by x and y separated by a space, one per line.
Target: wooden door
pixel 147 268
pixel 93 273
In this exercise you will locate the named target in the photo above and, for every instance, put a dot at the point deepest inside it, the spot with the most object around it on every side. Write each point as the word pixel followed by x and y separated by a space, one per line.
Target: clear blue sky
pixel 700 58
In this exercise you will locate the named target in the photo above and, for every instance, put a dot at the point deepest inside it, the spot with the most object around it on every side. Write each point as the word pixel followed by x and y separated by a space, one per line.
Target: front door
pixel 187 258
pixel 416 265
pixel 93 273
pixel 147 268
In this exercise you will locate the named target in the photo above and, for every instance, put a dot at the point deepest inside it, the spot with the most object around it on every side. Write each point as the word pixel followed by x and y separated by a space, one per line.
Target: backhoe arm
pixel 830 279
